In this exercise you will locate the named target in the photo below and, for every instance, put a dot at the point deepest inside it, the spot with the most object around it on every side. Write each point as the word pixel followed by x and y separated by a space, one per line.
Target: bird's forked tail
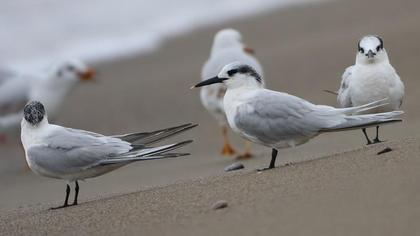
pixel 365 121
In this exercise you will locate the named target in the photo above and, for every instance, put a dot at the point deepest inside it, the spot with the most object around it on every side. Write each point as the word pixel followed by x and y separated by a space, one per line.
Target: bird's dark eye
pixel 378 48
pixel 361 50
pixel 232 72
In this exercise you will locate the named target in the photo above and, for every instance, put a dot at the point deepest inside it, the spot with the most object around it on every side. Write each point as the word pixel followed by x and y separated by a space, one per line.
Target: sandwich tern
pixel 72 155
pixel 370 79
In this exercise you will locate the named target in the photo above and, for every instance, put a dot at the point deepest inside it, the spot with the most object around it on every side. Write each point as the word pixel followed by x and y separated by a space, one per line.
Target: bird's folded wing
pixel 343 93
pixel 61 161
pixel 347 72
pixel 272 116
pixel 65 151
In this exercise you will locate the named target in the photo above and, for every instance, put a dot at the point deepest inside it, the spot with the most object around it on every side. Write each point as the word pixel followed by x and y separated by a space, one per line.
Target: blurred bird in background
pixel 228 47
pixel 51 88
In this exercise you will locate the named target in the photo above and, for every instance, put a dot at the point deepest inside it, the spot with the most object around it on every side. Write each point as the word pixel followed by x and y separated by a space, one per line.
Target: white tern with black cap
pixel 371 78
pixel 72 155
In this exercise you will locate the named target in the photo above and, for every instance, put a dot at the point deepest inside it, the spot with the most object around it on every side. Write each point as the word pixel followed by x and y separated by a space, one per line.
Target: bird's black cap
pixel 34 112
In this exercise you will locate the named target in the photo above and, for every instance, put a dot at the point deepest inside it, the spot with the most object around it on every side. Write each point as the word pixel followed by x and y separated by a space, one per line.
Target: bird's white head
pixel 235 75
pixel 72 71
pixel 229 38
pixel 371 50
pixel 34 114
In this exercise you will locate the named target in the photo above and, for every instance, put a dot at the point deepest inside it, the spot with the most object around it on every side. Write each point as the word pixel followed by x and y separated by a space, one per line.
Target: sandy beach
pixel 335 186
pixel 352 193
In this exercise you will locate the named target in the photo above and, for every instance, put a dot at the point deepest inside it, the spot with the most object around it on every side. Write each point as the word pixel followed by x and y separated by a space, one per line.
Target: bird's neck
pixel 220 47
pixel 236 94
pixel 382 60
pixel 30 134
pixel 246 84
pixel 375 64
pixel 27 126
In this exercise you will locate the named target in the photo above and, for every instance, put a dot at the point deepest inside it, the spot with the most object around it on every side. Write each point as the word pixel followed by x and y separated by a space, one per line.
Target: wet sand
pixel 303 49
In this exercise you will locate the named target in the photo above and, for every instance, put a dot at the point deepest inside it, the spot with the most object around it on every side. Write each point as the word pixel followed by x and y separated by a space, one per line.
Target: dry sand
pixel 303 50
pixel 352 193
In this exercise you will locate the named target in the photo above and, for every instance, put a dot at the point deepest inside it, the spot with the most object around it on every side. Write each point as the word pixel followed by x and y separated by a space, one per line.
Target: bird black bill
pixel 371 54
pixel 213 80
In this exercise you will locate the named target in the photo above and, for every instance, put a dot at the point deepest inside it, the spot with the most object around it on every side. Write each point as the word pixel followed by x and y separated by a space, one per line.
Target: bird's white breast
pixel 30 137
pixel 371 83
pixel 232 100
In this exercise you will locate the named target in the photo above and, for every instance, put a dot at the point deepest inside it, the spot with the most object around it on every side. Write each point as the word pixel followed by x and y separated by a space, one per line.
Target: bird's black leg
pixel 367 137
pixel 272 162
pixel 76 193
pixel 66 202
pixel 376 140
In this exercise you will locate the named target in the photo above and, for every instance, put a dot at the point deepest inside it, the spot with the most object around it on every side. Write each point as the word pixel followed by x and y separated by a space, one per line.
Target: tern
pixel 72 155
pixel 371 78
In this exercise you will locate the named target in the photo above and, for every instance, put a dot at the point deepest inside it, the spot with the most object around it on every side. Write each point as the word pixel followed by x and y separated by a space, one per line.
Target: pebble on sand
pixel 219 205
pixel 234 166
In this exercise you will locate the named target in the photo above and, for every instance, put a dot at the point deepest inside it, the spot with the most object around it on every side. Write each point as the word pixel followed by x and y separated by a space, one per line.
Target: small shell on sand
pixel 219 205
pixel 234 166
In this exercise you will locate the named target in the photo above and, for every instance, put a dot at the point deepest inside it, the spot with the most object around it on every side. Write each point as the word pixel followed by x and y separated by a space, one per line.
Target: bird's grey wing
pixel 272 117
pixel 343 97
pixel 398 90
pixel 84 132
pixel 72 150
pixel 56 160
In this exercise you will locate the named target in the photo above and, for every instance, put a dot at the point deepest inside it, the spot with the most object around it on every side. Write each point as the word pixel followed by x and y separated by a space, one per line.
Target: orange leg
pixel 247 154
pixel 227 148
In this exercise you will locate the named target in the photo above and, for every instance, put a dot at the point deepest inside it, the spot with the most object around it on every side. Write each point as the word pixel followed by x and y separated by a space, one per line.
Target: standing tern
pixel 280 120
pixel 227 47
pixel 72 155
pixel 371 78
